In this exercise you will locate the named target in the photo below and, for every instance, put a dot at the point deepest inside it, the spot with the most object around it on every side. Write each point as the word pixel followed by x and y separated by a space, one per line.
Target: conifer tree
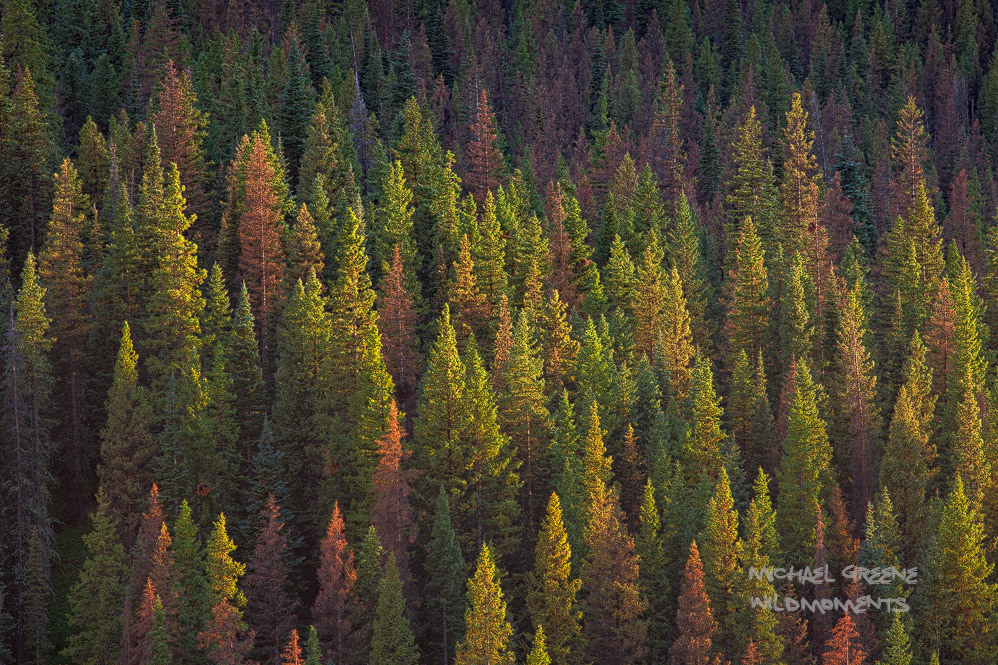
pixel 364 599
pixel 649 295
pixel 804 479
pixel 159 652
pixel 748 190
pixel 312 651
pixel 859 423
pixel 796 319
pixel 702 447
pixel 392 514
pixel 397 320
pixel 909 150
pixel 721 558
pixel 291 655
pixel 485 161
pixel 684 251
pixel 336 576
pixel 270 607
pixel 524 415
pixel 392 641
pixel 193 595
pixel 181 128
pixel 296 102
pixel 956 593
pixel 445 598
pixel 394 227
pixel 304 251
pixel 653 574
pixel 61 268
pixel 799 188
pixel 175 301
pixel 538 652
pixel 488 632
pixel 896 644
pixel 97 597
pixel 844 647
pixel 466 299
pixel 694 619
pixel 127 445
pixel 748 309
pixel 551 599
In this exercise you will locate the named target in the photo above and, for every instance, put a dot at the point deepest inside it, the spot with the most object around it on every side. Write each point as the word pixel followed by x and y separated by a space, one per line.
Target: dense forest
pixel 475 333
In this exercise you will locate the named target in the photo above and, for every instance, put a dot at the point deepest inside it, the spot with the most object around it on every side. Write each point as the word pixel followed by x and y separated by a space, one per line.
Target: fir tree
pixel 694 619
pixel 445 599
pixel 721 557
pixel 304 251
pixel 748 309
pixel 799 188
pixel 804 478
pixel 538 652
pixel 485 162
pixel 181 128
pixel 97 597
pixel 488 631
pixel 337 576
pixel 392 514
pixel 127 445
pixel 551 599
pixel 653 574
pixel 702 447
pixel 748 189
pixel 392 641
pixel 896 645
pixel 270 607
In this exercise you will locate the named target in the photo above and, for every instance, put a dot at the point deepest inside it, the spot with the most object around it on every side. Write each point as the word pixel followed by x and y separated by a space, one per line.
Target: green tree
pixel 653 574
pixel 445 598
pixel 721 557
pixel 749 305
pixel 488 632
pixel 538 652
pixel 804 476
pixel 97 598
pixel 392 641
pixel 551 599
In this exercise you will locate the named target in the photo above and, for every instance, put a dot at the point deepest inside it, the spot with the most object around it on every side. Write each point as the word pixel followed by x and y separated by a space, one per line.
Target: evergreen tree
pixel 304 251
pixel 694 619
pixel 721 557
pixel 485 161
pixel 445 599
pixel 296 102
pixel 748 309
pixel 749 191
pixel 127 445
pixel 844 647
pixel 392 514
pixel 896 649
pixel 551 599
pixel 488 631
pixel 181 128
pixel 703 445
pixel 799 188
pixel 684 250
pixel 804 479
pixel 336 576
pixel 653 574
pixel 97 597
pixel 392 641
pixel 538 652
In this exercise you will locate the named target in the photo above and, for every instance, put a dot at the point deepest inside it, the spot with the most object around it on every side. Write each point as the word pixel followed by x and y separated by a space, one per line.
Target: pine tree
pixel 488 633
pixel 304 251
pixel 703 446
pixel 523 414
pixel 397 320
pixel 261 258
pixel 394 227
pixel 193 595
pixel 804 478
pixel 127 445
pixel 685 250
pixel 956 594
pixel 844 647
pixel 649 297
pixel 694 619
pixel 485 161
pixel 312 652
pixel 159 652
pixel 748 309
pixel 97 597
pixel 270 607
pixel 296 102
pixel 538 652
pixel 551 599
pixel 749 189
pixel 670 158
pixel 392 514
pixel 291 655
pixel 60 266
pixel 392 641
pixel 799 188
pixel 721 557
pixel 181 128
pixel 445 599
pixel 896 645
pixel 653 574
pixel 337 576
pixel 174 302
pixel 909 150
pixel 364 600
pixel 465 298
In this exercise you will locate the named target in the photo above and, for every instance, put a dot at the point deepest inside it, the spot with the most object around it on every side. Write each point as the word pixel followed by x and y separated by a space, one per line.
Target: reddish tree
pixel 270 609
pixel 485 162
pixel 962 224
pixel 180 128
pixel 225 639
pixel 627 468
pixel 292 652
pixel 261 258
pixel 909 150
pixel 141 627
pixel 336 579
pixel 836 218
pixel 397 321
pixel 752 655
pixel 392 515
pixel 939 337
pixel 845 646
pixel 562 277
pixel 666 141
pixel 694 618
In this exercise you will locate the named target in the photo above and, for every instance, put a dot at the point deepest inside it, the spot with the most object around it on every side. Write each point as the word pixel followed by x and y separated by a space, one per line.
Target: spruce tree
pixel 445 599
pixel 694 619
pixel 488 631
pixel 270 608
pixel 538 652
pixel 804 476
pixel 703 446
pixel 721 562
pixel 97 597
pixel 653 574
pixel 748 308
pixel 392 641
pixel 127 445
pixel 336 576
pixel 551 599
pixel 749 191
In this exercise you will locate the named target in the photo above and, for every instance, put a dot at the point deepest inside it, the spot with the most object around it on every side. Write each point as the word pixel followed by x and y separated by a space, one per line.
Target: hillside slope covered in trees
pixel 481 333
